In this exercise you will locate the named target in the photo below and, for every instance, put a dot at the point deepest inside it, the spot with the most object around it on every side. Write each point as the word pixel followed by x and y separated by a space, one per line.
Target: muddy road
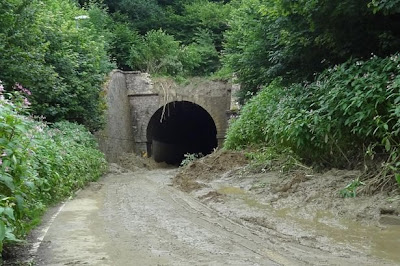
pixel 138 218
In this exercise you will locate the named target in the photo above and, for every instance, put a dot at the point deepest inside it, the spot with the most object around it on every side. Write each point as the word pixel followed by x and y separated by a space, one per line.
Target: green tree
pixel 200 58
pixel 185 20
pixel 143 14
pixel 198 16
pixel 124 39
pixel 22 45
pixel 59 52
pixel 386 6
pixel 157 52
pixel 296 39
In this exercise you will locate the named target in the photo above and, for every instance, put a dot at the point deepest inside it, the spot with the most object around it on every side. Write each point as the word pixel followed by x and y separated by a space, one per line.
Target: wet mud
pixel 305 208
pixel 231 218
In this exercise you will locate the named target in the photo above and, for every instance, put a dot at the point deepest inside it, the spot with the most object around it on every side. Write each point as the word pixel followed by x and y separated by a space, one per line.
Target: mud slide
pixel 138 218
pixel 298 206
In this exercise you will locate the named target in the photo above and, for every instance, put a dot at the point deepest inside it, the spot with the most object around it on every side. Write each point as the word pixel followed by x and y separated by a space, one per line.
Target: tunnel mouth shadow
pixel 179 128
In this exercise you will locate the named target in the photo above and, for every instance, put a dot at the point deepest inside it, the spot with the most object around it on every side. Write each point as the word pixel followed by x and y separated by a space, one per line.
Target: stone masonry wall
pixel 148 95
pixel 133 98
pixel 117 136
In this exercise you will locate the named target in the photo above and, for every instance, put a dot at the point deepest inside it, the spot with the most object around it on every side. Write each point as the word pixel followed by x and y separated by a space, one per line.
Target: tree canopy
pixel 54 49
pixel 296 39
pixel 62 50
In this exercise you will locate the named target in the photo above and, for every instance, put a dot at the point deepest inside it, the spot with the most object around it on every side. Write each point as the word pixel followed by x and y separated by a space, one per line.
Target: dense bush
pixel 59 52
pixel 39 165
pixel 159 53
pixel 387 6
pixel 145 35
pixel 350 110
pixel 295 39
pixel 156 52
pixel 200 58
pixel 124 38
pixel 197 16
pixel 145 15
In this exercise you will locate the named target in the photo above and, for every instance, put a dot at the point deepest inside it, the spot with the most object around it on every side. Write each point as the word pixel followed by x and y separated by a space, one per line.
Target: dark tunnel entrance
pixel 180 128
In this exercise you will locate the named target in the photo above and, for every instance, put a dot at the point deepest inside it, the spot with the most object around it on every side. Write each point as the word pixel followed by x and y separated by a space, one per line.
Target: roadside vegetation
pixel 39 165
pixel 321 81
pixel 59 52
pixel 53 62
pixel 344 119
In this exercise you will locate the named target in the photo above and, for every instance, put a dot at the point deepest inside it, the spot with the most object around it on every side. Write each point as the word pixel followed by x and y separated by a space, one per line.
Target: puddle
pixel 380 242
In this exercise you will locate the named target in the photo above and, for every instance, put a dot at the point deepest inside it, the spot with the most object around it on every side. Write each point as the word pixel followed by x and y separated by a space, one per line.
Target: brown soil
pixel 134 162
pixel 207 168
pixel 302 205
pixel 231 217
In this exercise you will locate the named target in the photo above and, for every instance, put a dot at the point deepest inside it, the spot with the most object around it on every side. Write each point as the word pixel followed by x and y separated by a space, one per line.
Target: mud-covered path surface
pixel 138 218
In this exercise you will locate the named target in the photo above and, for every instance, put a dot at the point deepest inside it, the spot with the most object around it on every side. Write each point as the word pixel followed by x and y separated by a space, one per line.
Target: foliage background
pixel 54 57
pixel 191 30
pixel 297 39
pixel 62 59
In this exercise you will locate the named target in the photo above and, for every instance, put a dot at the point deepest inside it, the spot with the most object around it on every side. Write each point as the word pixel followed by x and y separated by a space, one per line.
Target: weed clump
pixel 190 157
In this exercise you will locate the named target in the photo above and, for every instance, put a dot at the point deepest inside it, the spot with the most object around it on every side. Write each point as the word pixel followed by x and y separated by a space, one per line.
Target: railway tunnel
pixel 178 128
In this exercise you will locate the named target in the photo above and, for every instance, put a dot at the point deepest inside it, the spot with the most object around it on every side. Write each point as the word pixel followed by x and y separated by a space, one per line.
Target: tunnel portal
pixel 178 128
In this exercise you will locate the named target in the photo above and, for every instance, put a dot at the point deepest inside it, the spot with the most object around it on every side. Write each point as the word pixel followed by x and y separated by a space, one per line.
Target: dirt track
pixel 137 218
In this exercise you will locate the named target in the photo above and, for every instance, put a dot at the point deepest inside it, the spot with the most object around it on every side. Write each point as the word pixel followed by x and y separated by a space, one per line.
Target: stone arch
pixel 178 128
pixel 133 98
pixel 219 118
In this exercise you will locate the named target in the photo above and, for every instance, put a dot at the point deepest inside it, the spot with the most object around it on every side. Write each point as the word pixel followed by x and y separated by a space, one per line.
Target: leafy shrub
pixel 124 38
pixel 39 165
pixel 157 52
pixel 59 52
pixel 200 58
pixel 350 191
pixel 349 110
pixel 388 6
pixel 255 119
